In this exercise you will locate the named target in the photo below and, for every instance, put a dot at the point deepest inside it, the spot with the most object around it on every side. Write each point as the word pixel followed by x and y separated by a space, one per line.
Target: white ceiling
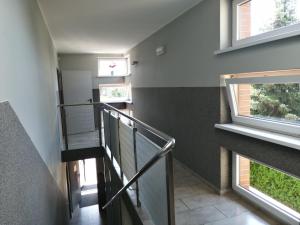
pixel 107 26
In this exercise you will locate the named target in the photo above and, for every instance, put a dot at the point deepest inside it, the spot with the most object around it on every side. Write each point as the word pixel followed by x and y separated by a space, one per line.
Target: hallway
pixel 195 204
pixel 87 216
pixel 198 204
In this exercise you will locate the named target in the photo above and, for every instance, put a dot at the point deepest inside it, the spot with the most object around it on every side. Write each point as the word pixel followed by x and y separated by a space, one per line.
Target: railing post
pixel 100 166
pixel 100 124
pixel 120 154
pixel 64 127
pixel 170 188
pixel 137 191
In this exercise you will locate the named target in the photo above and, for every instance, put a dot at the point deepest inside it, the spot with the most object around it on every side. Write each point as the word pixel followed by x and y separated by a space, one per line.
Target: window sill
pixel 276 138
pixel 109 76
pixel 258 42
pixel 117 101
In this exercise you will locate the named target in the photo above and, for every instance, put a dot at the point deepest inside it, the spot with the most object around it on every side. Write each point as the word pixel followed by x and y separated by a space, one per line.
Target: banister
pixel 167 148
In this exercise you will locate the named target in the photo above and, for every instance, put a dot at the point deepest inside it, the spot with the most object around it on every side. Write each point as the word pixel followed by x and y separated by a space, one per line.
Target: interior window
pixel 113 67
pixel 115 93
pixel 258 19
pixel 266 102
pixel 277 189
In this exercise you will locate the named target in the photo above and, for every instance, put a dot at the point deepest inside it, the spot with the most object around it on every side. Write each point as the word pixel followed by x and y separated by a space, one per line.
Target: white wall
pixel 87 62
pixel 191 41
pixel 28 75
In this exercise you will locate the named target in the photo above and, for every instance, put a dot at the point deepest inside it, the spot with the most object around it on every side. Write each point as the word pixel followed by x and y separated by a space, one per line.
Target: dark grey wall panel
pixel 189 115
pixel 277 156
pixel 29 194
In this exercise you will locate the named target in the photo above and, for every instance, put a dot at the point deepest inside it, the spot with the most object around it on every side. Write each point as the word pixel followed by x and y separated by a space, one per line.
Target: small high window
pixel 266 102
pixel 113 67
pixel 254 20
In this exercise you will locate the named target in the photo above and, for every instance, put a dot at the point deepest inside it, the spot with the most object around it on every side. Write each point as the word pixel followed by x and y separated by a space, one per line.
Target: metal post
pixel 100 168
pixel 170 188
pixel 64 128
pixel 137 191
pixel 120 154
pixel 100 125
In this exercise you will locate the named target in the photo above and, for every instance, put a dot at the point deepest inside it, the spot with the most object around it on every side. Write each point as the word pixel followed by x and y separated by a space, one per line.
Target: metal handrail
pixel 168 147
pixel 164 151
pixel 144 125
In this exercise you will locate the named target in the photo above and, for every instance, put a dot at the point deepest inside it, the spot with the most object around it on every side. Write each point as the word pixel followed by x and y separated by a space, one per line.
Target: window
pixel 266 102
pixel 272 189
pixel 254 20
pixel 113 67
pixel 115 93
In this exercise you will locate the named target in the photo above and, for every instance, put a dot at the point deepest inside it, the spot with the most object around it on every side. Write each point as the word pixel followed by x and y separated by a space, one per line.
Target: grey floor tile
pixel 199 216
pixel 180 206
pixel 201 205
pixel 247 218
pixel 87 216
pixel 234 208
pixel 191 190
pixel 204 200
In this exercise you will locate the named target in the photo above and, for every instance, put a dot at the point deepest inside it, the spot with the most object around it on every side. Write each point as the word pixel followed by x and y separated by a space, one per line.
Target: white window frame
pixel 129 96
pixel 280 33
pixel 267 203
pixel 127 57
pixel 273 125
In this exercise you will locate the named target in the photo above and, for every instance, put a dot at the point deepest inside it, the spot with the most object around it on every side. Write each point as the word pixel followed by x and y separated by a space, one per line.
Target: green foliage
pixel 283 188
pixel 285 13
pixel 276 100
pixel 279 101
pixel 116 93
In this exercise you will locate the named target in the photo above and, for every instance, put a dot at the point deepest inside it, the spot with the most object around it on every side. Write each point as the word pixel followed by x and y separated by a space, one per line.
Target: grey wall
pixel 28 81
pixel 190 61
pixel 190 113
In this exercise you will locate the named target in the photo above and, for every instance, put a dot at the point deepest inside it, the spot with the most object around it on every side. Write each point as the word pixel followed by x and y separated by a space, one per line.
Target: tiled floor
pixel 83 140
pixel 87 216
pixel 197 204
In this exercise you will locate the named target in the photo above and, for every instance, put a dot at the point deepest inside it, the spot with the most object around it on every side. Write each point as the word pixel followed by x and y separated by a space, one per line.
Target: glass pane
pixel 112 67
pixel 127 150
pixel 260 16
pixel 272 183
pixel 271 101
pixel 112 94
pixel 153 184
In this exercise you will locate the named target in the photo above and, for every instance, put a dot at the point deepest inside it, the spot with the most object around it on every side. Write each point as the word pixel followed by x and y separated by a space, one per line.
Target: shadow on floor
pixel 88 216
pixel 89 196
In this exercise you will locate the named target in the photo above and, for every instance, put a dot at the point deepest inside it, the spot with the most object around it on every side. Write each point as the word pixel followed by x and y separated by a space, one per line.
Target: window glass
pixel 113 67
pixel 259 16
pixel 115 93
pixel 270 183
pixel 271 101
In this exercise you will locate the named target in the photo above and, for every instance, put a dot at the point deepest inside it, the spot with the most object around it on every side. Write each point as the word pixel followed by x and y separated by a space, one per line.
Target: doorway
pixel 77 90
pixel 88 182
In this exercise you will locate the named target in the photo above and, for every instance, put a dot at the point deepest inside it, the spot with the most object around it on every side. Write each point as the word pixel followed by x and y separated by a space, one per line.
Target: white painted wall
pixel 87 62
pixel 28 76
pixel 190 61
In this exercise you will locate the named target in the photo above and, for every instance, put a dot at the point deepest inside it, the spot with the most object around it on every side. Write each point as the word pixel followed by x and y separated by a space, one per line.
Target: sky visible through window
pixel 268 15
